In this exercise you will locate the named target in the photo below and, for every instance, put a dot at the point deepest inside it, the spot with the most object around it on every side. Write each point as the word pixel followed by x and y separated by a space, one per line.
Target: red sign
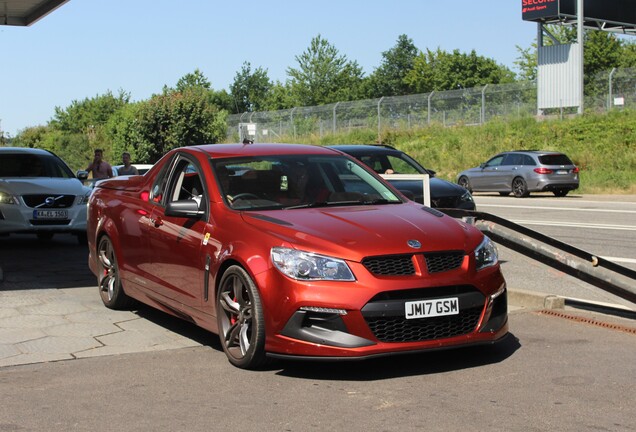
pixel 535 10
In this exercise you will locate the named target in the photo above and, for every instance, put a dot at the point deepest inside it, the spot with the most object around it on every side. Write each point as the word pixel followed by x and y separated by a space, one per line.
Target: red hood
pixel 356 232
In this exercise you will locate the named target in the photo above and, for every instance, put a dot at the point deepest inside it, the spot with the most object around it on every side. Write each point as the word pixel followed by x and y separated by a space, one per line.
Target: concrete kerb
pixel 534 299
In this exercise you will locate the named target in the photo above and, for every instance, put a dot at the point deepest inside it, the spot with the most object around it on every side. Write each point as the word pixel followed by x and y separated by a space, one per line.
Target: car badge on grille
pixel 49 201
pixel 414 244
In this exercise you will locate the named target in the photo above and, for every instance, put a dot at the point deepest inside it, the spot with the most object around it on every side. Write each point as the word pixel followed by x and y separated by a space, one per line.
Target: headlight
pixel 83 199
pixel 301 265
pixel 5 198
pixel 486 254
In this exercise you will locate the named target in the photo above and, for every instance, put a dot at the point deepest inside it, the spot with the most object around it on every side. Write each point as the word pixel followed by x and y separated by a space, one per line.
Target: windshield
pixel 32 165
pixel 297 181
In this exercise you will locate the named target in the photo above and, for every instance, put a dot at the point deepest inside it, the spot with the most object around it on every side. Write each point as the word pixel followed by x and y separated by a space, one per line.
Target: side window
pixel 527 160
pixel 496 161
pixel 159 186
pixel 400 166
pixel 186 183
pixel 512 159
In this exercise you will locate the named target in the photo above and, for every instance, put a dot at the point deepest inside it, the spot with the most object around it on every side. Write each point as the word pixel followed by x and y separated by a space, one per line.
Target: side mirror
pixel 82 175
pixel 482 165
pixel 184 208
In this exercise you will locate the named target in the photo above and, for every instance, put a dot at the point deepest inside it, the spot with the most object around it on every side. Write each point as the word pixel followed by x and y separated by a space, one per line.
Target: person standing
pixel 99 167
pixel 127 169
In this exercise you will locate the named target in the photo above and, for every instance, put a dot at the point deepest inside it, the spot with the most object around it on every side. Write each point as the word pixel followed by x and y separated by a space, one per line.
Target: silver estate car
pixel 39 194
pixel 522 172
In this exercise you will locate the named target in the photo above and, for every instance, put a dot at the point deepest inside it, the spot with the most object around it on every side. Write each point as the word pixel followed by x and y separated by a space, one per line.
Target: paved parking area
pixel 50 309
pixel 50 325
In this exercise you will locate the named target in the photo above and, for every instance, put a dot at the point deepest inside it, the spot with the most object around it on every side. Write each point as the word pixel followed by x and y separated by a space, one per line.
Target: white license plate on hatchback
pixel 561 172
pixel 431 308
pixel 50 214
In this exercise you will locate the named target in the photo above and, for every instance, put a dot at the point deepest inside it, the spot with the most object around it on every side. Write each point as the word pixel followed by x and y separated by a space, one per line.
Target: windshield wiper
pixel 341 203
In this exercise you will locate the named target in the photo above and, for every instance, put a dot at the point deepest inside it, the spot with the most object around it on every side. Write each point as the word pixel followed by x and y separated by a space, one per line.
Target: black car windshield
pixel 298 181
pixel 32 165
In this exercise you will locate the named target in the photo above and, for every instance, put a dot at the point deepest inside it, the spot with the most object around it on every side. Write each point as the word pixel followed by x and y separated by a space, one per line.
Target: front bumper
pixel 353 326
pixel 20 219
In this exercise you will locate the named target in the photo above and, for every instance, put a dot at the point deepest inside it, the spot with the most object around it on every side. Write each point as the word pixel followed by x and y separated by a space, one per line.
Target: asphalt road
pixel 551 374
pixel 602 225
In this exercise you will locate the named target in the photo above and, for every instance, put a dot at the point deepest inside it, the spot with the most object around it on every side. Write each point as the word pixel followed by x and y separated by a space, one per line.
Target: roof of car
pixel 24 150
pixel 260 149
pixel 537 152
pixel 366 148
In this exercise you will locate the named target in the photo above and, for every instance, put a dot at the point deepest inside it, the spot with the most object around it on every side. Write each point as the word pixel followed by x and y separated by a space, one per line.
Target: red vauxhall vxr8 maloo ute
pixel 288 250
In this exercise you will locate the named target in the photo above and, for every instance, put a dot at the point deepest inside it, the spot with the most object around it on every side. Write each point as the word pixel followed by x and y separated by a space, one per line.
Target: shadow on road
pixel 432 362
pixel 28 263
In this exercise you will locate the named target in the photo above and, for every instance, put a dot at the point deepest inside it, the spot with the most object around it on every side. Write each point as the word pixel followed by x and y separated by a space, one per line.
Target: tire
pixel 82 239
pixel 504 193
pixel 110 288
pixel 560 192
pixel 240 319
pixel 519 187
pixel 465 183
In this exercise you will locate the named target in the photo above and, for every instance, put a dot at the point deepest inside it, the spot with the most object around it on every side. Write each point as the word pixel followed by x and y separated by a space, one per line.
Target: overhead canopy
pixel 26 12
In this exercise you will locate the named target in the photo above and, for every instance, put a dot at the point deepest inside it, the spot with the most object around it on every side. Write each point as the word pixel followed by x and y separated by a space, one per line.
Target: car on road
pixel 39 194
pixel 141 168
pixel 522 172
pixel 289 251
pixel 385 159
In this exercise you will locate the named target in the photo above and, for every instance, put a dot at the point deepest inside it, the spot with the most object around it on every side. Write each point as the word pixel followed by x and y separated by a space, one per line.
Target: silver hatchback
pixel 522 172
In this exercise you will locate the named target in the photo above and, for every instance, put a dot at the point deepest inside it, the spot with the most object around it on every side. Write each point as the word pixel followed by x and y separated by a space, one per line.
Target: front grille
pixel 399 329
pixel 443 261
pixel 61 201
pixel 47 222
pixel 402 265
pixel 384 314
pixel 394 265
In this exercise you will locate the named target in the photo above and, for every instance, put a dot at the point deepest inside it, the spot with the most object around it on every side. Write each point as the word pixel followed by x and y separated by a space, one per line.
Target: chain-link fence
pixel 472 106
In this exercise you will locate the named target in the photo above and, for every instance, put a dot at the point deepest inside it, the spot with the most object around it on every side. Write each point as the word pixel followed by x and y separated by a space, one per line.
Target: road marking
pixel 620 260
pixel 556 208
pixel 576 225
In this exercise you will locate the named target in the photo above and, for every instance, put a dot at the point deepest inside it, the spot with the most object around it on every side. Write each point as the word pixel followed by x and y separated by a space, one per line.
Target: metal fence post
pixel 291 115
pixel 379 118
pixel 609 99
pixel 430 95
pixel 483 105
pixel 334 117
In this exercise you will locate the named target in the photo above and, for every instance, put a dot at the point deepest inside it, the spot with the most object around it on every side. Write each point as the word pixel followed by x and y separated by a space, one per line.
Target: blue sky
pixel 88 47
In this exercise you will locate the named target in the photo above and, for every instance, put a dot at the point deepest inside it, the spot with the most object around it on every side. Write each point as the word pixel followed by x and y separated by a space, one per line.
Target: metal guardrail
pixel 597 271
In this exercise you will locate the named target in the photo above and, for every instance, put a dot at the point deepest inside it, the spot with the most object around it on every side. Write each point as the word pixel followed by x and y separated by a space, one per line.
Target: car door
pixel 176 242
pixel 487 176
pixel 508 170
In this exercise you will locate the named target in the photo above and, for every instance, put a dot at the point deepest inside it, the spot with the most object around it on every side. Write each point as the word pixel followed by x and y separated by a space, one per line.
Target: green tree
pixel 279 97
pixel 250 88
pixel 83 116
pixel 192 80
pixel 324 76
pixel 172 119
pixel 388 78
pixel 440 70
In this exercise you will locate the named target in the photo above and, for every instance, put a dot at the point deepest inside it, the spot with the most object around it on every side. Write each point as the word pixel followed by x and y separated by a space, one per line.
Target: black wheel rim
pixel 236 317
pixel 519 187
pixel 109 277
